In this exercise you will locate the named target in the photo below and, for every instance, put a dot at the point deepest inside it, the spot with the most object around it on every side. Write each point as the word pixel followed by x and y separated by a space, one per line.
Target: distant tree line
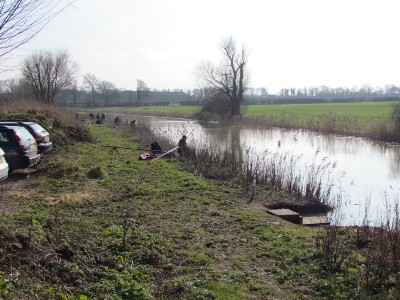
pixel 338 94
pixel 104 93
pixel 50 77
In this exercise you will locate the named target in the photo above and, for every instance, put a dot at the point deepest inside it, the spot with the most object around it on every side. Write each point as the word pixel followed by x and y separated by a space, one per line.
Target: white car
pixel 3 166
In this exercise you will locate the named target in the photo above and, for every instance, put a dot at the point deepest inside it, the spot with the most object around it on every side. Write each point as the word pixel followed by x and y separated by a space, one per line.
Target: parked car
pixel 19 146
pixel 3 166
pixel 40 134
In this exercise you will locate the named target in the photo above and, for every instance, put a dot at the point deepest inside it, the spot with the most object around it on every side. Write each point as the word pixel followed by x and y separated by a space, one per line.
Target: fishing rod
pixel 115 148
pixel 165 153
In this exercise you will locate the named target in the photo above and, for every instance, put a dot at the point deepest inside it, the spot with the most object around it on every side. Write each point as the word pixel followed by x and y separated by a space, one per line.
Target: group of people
pixel 99 118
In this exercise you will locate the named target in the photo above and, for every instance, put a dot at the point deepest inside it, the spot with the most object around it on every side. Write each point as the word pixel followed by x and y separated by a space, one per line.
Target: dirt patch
pixel 14 193
pixel 70 197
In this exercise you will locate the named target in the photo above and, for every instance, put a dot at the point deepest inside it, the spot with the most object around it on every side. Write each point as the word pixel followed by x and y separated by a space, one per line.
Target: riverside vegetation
pixel 94 223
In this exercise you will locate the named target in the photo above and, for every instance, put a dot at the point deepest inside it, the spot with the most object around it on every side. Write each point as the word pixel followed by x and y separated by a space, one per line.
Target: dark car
pixel 40 134
pixel 19 146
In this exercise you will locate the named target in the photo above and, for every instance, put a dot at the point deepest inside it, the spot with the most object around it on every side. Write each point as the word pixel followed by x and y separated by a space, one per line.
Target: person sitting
pixel 155 148
pixel 117 120
pixel 132 124
pixel 183 149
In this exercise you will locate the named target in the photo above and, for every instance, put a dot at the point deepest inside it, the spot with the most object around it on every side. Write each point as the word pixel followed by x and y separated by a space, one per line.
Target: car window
pixel 4 138
pixel 37 127
pixel 24 134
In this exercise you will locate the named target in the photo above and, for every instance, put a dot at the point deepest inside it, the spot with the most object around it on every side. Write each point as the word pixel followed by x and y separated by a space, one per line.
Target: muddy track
pixel 9 188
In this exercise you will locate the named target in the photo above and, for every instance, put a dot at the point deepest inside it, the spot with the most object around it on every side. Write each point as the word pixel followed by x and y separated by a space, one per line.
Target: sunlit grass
pixel 356 109
pixel 184 111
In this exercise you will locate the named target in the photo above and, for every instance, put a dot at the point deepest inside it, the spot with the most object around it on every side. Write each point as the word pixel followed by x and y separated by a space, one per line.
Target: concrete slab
pixel 314 221
pixel 286 214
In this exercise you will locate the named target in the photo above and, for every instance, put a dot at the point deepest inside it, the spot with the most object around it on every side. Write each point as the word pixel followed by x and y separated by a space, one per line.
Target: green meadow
pixel 356 109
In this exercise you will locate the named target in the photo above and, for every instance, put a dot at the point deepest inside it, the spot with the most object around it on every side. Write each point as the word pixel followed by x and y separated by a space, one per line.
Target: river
pixel 364 174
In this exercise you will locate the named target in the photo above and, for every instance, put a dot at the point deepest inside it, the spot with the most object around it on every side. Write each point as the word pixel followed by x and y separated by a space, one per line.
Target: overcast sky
pixel 292 43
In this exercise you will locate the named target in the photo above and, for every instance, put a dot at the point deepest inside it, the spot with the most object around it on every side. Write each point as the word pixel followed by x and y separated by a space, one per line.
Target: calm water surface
pixel 366 174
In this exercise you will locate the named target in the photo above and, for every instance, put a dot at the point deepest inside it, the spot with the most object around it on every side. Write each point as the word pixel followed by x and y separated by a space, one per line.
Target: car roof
pixel 9 126
pixel 13 126
pixel 17 122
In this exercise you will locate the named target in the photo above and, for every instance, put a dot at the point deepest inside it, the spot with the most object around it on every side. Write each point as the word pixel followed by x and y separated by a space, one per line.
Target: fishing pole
pixel 169 151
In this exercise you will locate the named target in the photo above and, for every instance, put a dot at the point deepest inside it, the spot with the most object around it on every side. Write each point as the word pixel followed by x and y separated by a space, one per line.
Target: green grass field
pixel 173 110
pixel 356 109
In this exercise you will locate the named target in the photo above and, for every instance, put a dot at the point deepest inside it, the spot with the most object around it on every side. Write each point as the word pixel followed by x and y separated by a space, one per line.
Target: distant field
pixel 165 110
pixel 356 109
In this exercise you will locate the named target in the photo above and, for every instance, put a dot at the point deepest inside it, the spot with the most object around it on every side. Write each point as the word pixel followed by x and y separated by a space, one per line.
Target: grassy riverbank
pixel 92 223
pixel 143 230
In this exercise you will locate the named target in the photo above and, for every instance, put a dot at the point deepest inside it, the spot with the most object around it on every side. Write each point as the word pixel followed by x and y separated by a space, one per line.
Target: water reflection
pixel 366 173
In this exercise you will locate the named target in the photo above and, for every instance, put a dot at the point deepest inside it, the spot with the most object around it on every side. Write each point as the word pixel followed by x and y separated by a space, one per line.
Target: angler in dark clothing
pixel 155 148
pixel 183 149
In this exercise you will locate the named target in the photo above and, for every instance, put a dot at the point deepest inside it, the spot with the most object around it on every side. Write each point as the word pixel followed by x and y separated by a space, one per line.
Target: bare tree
pixel 21 20
pixel 143 91
pixel 47 73
pixel 14 88
pixel 230 77
pixel 91 82
pixel 107 89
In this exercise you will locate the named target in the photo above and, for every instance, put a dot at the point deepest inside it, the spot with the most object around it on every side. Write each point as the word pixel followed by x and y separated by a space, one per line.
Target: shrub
pixel 95 173
pixel 216 107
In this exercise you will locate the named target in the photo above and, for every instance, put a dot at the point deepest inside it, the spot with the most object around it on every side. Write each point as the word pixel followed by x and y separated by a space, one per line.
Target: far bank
pixel 372 120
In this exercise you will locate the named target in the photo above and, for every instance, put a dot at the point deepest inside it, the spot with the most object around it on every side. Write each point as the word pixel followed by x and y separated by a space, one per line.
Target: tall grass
pixel 63 125
pixel 31 109
pixel 369 253
pixel 375 128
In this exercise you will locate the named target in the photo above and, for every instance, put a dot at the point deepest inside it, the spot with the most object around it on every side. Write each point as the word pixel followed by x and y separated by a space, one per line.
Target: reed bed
pixel 380 129
pixel 368 253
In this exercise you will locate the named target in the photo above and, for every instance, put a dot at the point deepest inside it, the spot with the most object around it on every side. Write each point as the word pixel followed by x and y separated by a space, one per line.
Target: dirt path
pixel 12 187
